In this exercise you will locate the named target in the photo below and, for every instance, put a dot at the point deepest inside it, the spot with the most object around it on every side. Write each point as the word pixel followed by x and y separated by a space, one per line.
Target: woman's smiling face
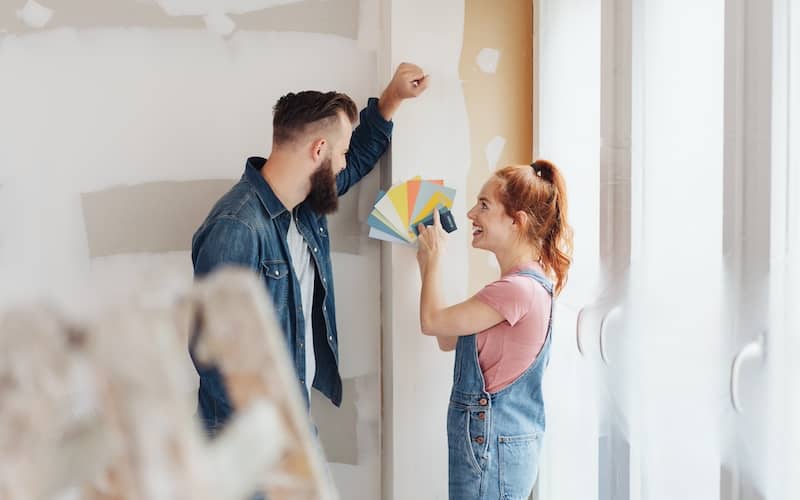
pixel 492 227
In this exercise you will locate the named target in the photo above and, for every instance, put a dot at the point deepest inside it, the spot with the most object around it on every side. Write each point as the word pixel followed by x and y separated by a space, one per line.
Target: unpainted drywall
pixel 120 220
pixel 496 67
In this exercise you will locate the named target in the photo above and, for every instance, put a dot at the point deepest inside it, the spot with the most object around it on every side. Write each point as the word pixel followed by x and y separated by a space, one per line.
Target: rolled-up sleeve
pixel 369 141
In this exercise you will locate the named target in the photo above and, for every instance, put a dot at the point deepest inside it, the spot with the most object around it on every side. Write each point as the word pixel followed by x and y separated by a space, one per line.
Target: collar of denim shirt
pixel 252 173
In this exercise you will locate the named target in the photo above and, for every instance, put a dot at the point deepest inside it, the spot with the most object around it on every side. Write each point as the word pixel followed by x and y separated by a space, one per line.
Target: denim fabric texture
pixel 494 440
pixel 247 227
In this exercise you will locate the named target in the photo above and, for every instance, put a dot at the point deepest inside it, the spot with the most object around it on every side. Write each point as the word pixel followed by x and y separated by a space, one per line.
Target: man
pixel 273 222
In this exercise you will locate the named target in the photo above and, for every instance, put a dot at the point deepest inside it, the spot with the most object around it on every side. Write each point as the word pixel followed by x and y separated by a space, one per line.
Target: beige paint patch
pixel 499 104
pixel 338 427
pixel 151 217
pixel 336 17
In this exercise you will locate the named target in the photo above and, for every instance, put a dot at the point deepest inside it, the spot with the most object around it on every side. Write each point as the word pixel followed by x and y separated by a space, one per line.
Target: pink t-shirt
pixel 508 348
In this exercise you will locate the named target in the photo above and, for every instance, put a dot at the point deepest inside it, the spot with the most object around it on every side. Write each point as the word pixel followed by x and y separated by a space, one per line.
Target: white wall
pixel 568 133
pixel 793 253
pixel 431 139
pixel 680 139
pixel 784 341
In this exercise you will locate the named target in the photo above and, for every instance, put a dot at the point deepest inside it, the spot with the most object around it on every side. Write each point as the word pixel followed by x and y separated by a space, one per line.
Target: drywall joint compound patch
pixel 493 151
pixel 488 59
pixel 35 15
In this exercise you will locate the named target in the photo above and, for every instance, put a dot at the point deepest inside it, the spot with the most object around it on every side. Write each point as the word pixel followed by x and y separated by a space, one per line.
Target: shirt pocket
pixel 518 462
pixel 276 276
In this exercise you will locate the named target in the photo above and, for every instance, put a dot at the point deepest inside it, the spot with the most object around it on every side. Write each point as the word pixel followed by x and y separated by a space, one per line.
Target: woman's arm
pixel 465 318
pixel 447 343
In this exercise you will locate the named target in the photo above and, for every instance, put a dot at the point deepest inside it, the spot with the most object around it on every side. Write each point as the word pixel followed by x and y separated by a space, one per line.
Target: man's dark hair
pixel 294 113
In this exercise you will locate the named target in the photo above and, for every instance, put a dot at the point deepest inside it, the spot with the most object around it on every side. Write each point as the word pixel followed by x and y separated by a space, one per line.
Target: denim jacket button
pixel 482 415
pixel 479 439
pixel 483 402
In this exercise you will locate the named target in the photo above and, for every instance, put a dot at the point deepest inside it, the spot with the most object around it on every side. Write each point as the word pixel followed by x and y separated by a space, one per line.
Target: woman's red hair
pixel 539 191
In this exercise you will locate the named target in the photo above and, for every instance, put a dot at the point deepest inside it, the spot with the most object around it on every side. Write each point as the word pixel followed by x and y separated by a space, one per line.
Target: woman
pixel 501 335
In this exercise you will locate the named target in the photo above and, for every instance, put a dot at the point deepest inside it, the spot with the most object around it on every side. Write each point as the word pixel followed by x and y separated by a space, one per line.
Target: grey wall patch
pixel 338 427
pixel 337 17
pixel 101 14
pixel 151 217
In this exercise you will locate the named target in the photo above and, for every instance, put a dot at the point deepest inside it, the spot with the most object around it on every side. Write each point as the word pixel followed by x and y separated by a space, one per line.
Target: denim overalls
pixel 494 439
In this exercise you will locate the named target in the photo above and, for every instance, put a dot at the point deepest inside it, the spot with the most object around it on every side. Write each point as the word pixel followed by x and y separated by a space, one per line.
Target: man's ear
pixel 318 147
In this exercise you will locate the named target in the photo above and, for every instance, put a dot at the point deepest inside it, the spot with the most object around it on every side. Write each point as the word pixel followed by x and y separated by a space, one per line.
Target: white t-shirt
pixel 306 273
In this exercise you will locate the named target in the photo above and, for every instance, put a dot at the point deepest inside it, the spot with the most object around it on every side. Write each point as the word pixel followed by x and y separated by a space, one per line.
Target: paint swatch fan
pixel 399 210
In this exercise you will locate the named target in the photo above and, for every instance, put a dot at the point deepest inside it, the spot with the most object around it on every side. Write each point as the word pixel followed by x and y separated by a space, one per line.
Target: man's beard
pixel 323 197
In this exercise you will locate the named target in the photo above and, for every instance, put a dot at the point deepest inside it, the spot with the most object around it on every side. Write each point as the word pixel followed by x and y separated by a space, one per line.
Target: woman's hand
pixel 432 241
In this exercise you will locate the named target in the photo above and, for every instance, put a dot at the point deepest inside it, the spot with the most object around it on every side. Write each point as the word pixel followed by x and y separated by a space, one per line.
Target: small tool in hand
pixel 445 217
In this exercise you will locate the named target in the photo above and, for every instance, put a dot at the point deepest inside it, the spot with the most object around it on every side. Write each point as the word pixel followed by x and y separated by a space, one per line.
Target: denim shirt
pixel 247 227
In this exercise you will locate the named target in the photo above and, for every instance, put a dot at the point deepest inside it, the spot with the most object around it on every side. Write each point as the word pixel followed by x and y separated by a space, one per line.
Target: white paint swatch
pixel 35 15
pixel 493 151
pixel 488 59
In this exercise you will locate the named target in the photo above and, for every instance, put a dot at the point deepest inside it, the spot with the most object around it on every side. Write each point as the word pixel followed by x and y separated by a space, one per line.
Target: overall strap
pixel 546 283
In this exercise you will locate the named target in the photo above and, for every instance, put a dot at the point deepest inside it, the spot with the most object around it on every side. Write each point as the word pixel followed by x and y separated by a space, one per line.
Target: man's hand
pixel 408 81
